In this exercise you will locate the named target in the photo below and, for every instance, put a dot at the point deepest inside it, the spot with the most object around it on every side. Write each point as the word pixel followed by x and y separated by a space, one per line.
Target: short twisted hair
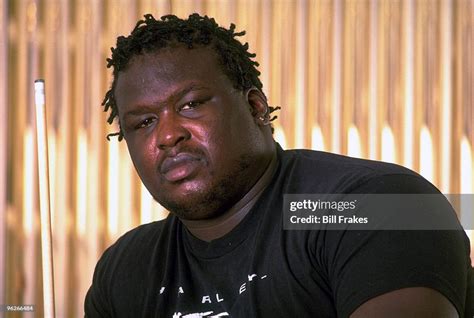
pixel 150 35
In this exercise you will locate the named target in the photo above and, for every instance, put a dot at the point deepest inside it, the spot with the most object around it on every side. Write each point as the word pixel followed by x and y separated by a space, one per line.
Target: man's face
pixel 194 139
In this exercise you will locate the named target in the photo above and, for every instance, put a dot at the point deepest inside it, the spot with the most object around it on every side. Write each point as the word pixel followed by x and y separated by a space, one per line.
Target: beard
pixel 216 199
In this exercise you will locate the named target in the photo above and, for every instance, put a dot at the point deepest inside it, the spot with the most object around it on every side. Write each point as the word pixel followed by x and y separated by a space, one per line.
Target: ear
pixel 258 105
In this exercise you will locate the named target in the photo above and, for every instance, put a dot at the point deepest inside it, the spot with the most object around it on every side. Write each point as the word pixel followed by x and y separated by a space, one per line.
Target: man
pixel 191 108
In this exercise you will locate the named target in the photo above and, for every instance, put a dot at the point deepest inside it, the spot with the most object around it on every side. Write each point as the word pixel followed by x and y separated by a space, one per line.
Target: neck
pixel 208 230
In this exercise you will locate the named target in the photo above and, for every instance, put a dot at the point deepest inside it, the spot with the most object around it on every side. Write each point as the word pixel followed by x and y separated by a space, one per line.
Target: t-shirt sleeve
pixel 363 264
pixel 96 301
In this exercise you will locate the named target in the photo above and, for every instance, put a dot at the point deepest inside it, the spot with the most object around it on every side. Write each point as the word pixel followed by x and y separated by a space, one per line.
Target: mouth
pixel 179 167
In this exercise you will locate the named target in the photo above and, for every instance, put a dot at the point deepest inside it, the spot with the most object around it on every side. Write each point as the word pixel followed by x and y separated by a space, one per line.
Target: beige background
pixel 391 80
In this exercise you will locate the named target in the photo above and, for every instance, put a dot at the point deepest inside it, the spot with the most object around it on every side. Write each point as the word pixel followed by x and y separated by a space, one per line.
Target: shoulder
pixel 134 251
pixel 321 160
pixel 352 259
pixel 125 266
pixel 140 233
pixel 323 172
pixel 138 242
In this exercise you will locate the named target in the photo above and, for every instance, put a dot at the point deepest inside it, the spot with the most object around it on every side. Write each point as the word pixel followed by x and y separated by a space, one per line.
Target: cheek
pixel 216 138
pixel 144 158
pixel 225 151
pixel 239 132
pixel 209 133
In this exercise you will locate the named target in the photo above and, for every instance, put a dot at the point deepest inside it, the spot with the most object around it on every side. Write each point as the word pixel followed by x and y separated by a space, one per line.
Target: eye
pixel 190 105
pixel 145 123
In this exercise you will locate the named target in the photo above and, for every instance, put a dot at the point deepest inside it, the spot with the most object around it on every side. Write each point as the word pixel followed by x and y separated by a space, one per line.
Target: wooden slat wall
pixel 390 80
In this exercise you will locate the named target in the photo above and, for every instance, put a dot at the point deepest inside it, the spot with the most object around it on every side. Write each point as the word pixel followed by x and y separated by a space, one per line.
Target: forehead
pixel 151 77
pixel 174 64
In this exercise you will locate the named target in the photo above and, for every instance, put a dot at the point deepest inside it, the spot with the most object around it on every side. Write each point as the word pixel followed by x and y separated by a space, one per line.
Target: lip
pixel 181 166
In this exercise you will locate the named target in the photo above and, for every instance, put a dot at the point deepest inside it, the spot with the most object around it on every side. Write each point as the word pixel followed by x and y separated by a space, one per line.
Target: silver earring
pixel 265 118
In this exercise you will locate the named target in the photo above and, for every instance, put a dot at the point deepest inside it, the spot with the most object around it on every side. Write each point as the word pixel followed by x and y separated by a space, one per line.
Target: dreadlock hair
pixel 150 35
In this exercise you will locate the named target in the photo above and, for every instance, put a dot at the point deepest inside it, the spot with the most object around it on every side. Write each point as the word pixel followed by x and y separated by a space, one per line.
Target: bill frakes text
pixel 328 219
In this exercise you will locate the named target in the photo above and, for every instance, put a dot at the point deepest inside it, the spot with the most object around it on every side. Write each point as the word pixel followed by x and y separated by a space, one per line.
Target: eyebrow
pixel 175 95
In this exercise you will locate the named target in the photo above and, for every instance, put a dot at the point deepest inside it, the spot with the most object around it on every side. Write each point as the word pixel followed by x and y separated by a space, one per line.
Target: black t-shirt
pixel 261 270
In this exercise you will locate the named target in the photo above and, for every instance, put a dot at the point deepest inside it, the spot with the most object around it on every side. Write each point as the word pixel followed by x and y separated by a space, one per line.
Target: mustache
pixel 197 152
pixel 177 156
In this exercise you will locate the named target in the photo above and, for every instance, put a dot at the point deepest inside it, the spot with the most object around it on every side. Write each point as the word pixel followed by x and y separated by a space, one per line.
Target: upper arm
pixel 398 269
pixel 96 303
pixel 417 302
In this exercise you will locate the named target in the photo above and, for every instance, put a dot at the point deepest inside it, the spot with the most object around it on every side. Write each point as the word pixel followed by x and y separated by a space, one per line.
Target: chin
pixel 193 208
pixel 206 196
pixel 193 203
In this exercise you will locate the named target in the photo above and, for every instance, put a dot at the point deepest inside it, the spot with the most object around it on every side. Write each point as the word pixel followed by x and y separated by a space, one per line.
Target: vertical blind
pixel 385 80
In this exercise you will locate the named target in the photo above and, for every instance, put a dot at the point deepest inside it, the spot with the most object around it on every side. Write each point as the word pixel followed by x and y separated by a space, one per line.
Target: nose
pixel 171 131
